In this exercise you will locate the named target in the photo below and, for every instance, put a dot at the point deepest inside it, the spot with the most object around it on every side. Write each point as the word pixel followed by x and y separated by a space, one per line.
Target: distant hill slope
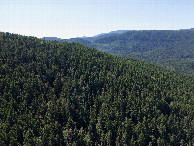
pixel 102 35
pixel 51 39
pixel 171 49
pixel 84 40
pixel 57 93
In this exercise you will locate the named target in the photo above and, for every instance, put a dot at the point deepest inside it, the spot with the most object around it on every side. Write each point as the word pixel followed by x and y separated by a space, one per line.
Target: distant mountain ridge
pixel 51 39
pixel 173 49
pixel 98 36
pixel 103 35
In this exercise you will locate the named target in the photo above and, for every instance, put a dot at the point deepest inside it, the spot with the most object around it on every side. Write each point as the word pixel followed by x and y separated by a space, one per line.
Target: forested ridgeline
pixel 57 93
pixel 173 49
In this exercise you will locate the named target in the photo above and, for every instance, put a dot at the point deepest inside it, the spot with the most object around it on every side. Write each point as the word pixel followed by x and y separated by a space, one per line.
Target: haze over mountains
pixel 98 36
pixel 173 49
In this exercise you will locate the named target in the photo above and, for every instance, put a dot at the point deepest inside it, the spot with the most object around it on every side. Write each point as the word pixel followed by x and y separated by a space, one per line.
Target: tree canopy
pixel 59 93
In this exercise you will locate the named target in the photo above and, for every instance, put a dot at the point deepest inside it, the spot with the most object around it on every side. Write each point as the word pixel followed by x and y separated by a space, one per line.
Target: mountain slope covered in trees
pixel 57 93
pixel 171 49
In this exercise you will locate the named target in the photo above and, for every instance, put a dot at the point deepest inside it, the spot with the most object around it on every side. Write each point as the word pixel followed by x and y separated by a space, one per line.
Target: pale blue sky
pixel 75 18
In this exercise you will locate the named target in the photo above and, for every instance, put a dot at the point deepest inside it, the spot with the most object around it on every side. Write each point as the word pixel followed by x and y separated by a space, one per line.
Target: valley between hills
pixel 172 49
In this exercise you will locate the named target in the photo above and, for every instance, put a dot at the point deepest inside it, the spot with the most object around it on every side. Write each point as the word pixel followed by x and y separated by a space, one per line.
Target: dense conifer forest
pixel 59 93
pixel 173 49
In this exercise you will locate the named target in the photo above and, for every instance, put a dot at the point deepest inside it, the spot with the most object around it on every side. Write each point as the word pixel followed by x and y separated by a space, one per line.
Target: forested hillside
pixel 171 49
pixel 59 93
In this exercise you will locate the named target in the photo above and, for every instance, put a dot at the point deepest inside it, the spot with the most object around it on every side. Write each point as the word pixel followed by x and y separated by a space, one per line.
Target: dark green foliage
pixel 54 93
pixel 171 49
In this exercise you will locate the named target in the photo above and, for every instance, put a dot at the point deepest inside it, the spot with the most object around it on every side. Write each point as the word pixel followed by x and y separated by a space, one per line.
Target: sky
pixel 77 18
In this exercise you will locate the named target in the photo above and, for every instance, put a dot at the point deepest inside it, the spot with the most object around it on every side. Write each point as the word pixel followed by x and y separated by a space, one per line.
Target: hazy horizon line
pixel 96 34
